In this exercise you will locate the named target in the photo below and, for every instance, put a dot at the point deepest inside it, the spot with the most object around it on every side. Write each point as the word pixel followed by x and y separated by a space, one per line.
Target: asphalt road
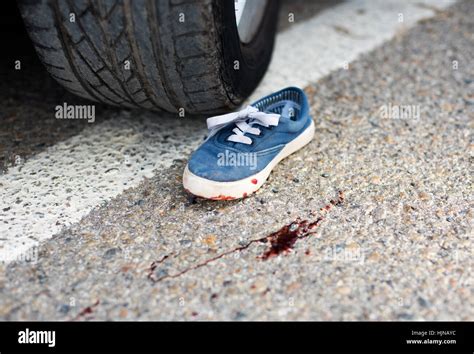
pixel 391 197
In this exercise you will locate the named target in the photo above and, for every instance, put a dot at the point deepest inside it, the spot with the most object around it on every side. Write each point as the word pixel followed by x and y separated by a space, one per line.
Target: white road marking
pixel 312 49
pixel 61 185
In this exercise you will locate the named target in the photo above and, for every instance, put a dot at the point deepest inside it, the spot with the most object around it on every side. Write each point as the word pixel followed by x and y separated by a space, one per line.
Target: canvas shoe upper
pixel 243 147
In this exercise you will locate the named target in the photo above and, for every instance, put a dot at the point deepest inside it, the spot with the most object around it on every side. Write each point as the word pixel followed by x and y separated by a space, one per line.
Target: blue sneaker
pixel 242 148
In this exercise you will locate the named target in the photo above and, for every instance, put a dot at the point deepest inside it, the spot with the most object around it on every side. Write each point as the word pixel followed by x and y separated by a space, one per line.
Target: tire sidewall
pixel 252 58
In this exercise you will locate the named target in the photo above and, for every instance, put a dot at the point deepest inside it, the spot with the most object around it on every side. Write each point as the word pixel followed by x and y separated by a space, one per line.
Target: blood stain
pixel 280 241
pixel 87 311
pixel 283 240
pixel 222 197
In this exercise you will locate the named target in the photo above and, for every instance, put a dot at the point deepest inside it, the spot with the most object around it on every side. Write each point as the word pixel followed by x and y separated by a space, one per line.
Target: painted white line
pixel 63 184
pixel 312 49
pixel 58 187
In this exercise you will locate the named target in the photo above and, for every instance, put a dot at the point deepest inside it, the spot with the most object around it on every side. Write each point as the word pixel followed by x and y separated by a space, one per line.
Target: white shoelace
pixel 250 113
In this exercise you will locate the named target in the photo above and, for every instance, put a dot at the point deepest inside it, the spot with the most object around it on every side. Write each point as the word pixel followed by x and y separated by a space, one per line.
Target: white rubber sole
pixel 214 190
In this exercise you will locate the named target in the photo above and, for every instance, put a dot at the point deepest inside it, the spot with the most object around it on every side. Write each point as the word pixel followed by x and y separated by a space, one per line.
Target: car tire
pixel 173 55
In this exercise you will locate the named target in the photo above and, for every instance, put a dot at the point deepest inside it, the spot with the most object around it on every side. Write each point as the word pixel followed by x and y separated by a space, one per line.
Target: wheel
pixel 203 56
